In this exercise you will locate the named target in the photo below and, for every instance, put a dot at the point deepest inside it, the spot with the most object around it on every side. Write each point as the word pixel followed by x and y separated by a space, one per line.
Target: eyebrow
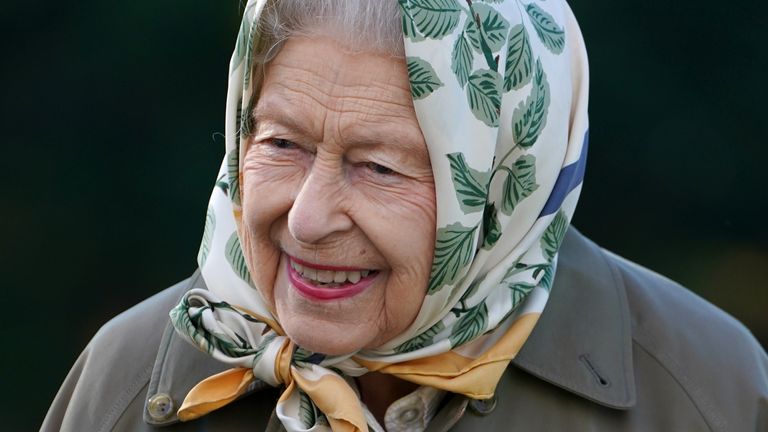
pixel 271 112
pixel 278 116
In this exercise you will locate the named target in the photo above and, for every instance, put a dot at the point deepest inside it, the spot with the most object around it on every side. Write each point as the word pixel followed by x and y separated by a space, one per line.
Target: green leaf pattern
pixel 222 184
pixel 434 18
pixel 424 339
pixel 234 254
pixel 423 78
pixel 553 235
pixel 409 27
pixel 453 251
pixel 520 183
pixel 491 226
pixel 461 59
pixel 471 186
pixel 470 325
pixel 493 28
pixel 205 245
pixel 530 117
pixel 233 173
pixel 306 410
pixel 519 65
pixel 548 278
pixel 519 291
pixel 484 96
pixel 551 35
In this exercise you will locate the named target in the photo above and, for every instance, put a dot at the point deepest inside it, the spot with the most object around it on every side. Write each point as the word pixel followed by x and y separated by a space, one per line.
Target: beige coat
pixel 618 348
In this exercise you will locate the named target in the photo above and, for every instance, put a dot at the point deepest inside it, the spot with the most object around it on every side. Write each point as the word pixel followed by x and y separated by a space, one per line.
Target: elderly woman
pixel 390 230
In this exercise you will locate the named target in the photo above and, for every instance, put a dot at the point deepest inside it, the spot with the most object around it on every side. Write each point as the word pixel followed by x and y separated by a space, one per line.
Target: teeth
pixel 339 277
pixel 325 276
pixel 309 273
pixel 353 276
pixel 329 278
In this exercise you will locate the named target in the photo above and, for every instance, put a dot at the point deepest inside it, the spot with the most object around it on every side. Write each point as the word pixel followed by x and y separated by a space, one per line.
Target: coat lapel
pixel 582 342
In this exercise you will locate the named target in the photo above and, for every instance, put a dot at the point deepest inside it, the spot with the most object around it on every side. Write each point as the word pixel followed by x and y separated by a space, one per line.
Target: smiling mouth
pixel 326 278
pixel 322 282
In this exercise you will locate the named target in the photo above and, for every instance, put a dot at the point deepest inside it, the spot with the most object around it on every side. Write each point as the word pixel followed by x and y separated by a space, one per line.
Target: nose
pixel 319 209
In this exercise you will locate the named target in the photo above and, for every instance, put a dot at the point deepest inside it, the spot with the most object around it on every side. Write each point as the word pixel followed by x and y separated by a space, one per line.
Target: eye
pixel 283 143
pixel 379 169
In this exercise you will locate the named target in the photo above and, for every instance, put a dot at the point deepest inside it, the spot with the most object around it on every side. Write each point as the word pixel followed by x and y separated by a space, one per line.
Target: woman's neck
pixel 378 391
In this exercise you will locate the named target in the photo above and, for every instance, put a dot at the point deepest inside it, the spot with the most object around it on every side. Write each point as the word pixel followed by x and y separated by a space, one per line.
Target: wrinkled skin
pixel 337 173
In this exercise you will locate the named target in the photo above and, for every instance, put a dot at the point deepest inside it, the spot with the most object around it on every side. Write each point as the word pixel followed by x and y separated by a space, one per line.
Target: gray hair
pixel 360 25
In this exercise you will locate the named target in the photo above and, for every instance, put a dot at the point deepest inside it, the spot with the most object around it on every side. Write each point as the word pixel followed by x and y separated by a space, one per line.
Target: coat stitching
pixel 686 385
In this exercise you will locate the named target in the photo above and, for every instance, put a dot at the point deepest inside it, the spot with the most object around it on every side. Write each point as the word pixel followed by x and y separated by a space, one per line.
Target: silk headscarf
pixel 500 92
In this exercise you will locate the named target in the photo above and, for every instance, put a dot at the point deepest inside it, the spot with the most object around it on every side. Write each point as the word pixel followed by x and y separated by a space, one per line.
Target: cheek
pixel 269 187
pixel 405 232
pixel 419 219
pixel 407 240
pixel 268 193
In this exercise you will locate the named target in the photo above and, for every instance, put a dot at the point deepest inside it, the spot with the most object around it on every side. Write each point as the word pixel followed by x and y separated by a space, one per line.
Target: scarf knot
pixel 257 352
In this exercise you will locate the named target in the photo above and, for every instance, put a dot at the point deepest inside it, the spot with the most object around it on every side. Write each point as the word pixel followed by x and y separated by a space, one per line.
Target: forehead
pixel 322 88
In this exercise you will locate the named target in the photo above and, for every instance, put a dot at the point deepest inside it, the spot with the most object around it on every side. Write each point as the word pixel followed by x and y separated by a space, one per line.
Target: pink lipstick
pixel 339 289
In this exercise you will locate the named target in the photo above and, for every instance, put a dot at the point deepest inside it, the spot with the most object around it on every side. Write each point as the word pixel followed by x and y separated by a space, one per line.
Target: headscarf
pixel 500 93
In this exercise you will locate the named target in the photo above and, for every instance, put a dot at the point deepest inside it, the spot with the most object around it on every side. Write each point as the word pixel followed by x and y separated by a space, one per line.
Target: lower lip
pixel 315 292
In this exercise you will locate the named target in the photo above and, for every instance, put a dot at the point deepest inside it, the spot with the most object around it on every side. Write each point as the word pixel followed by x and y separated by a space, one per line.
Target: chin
pixel 324 338
pixel 332 327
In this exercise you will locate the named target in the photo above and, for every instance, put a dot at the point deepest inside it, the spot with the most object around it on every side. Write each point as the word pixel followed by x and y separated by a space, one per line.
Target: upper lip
pixel 325 266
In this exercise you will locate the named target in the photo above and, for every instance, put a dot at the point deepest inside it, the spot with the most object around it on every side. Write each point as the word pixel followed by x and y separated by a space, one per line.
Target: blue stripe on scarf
pixel 570 177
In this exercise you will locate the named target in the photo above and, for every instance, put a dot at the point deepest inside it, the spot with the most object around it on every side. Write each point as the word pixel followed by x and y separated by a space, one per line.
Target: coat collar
pixel 178 367
pixel 582 342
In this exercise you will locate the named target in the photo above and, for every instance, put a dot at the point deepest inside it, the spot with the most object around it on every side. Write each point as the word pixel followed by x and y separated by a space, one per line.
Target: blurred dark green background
pixel 111 121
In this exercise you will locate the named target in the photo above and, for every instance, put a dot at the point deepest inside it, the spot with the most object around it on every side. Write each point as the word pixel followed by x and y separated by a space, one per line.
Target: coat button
pixel 160 406
pixel 483 407
pixel 409 415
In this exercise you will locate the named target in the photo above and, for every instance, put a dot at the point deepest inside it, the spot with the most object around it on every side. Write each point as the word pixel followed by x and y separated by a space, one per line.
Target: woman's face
pixel 338 197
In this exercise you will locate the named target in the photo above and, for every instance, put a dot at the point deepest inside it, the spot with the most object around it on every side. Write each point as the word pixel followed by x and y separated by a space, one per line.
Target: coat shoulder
pixel 116 365
pixel 713 357
pixel 140 324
